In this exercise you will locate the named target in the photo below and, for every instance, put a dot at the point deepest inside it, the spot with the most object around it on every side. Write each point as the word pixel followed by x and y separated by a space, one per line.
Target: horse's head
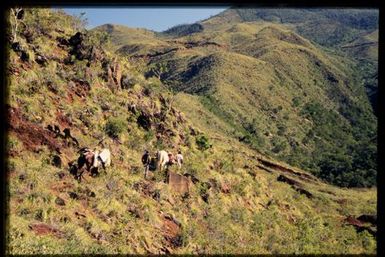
pixel 73 167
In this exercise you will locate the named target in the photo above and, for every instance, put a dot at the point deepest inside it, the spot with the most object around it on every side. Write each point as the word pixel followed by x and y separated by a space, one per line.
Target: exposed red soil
pixel 63 120
pixel 44 229
pixel 60 187
pixel 33 136
pixel 80 88
pixel 225 188
pixel 341 201
pixel 353 221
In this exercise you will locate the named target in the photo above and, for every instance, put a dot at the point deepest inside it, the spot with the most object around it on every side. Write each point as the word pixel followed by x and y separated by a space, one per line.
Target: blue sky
pixel 157 19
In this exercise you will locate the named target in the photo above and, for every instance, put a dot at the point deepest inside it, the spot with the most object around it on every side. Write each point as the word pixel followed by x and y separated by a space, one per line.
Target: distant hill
pixel 327 27
pixel 350 31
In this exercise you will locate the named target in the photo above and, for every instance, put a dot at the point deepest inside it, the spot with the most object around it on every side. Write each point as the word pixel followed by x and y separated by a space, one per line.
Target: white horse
pixel 102 158
pixel 162 159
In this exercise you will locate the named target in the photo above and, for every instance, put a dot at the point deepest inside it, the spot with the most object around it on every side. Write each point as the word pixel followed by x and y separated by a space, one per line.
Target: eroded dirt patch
pixel 44 229
pixel 33 136
pixel 275 166
pixel 79 87
pixel 63 120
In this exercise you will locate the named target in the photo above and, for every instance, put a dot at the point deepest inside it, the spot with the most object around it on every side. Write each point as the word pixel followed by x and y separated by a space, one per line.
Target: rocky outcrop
pixel 359 226
pixel 41 59
pixel 113 74
pixel 274 166
pixel 23 54
pixel 144 121
pixel 148 189
pixel 178 183
pixel 81 50
pixel 172 232
pixel 368 218
pixel 59 201
pixel 127 81
pixel 56 161
pixel 295 185
pixel 79 87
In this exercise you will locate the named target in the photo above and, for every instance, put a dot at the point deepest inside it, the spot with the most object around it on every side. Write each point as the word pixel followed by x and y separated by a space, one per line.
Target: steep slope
pixel 238 200
pixel 277 92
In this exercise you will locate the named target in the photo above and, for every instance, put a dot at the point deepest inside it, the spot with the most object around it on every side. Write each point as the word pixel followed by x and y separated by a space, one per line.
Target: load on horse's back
pixel 102 158
pixel 90 160
pixel 162 159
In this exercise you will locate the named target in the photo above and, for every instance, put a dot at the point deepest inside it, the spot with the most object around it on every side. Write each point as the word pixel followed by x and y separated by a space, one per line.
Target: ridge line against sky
pixel 156 19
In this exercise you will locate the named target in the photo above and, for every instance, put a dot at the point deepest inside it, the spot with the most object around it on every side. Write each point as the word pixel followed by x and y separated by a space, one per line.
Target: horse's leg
pixel 80 175
pixel 166 175
pixel 165 168
pixel 85 179
pixel 104 166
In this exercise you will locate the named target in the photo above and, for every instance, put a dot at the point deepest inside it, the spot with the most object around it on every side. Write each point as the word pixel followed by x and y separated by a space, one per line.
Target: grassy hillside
pixel 351 32
pixel 328 27
pixel 239 200
pixel 277 92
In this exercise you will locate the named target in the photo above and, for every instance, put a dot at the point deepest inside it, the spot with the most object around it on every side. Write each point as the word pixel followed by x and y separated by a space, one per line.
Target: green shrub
pixel 237 214
pixel 296 101
pixel 148 135
pixel 115 126
pixel 203 142
pixel 281 129
pixel 279 144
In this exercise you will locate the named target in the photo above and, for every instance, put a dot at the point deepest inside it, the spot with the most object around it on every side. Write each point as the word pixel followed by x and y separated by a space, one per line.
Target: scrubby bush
pixel 296 101
pixel 279 144
pixel 203 142
pixel 184 29
pixel 115 126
